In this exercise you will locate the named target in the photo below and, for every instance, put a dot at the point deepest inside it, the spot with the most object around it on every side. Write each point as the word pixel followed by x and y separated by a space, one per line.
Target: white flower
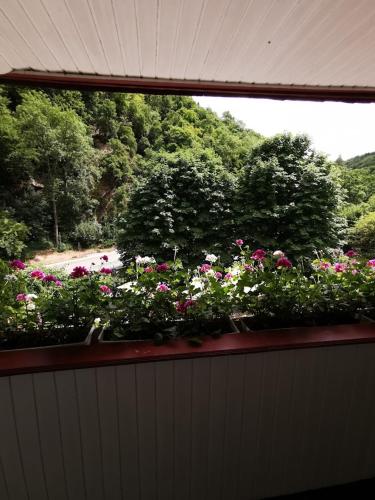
pixel 10 277
pixel 144 260
pixel 197 283
pixel 31 296
pixel 278 253
pixel 248 289
pixel 211 258
pixel 127 286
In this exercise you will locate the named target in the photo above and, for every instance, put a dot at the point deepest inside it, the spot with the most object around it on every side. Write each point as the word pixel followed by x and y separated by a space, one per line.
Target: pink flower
pixel 248 267
pixel 351 253
pixel 17 264
pixel 162 267
pixel 148 269
pixel 22 297
pixel 105 289
pixel 205 268
pixel 218 275
pixel 239 243
pixel 339 267
pixel 324 265
pixel 162 287
pixel 58 283
pixel 228 276
pixel 104 257
pixel 182 306
pixel 355 271
pixel 79 272
pixel 283 262
pixel 259 254
pixel 37 274
pixel 106 270
pixel 371 263
pixel 49 278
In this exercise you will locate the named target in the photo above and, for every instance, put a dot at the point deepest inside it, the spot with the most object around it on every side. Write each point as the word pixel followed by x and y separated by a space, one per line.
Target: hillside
pixel 366 160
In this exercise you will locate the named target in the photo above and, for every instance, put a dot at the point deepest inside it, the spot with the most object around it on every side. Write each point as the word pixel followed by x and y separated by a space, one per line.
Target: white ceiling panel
pixel 288 42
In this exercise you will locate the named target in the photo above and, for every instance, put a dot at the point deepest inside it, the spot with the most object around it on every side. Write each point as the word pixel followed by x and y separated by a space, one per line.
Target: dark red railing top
pixel 73 357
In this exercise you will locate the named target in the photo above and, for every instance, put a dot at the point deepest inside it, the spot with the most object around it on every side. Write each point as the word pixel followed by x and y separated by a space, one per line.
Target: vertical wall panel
pixel 50 437
pixel 90 433
pixel 70 429
pixel 164 429
pixel 128 422
pixel 3 485
pixel 11 459
pixel 182 428
pixel 109 432
pixel 29 437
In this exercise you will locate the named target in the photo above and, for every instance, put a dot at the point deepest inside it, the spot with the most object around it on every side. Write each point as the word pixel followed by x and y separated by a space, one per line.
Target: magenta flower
pixel 49 278
pixel 79 272
pixel 324 265
pixel 22 297
pixel 218 275
pixel 351 253
pixel 17 264
pixel 371 263
pixel 104 257
pixel 105 289
pixel 162 287
pixel 205 268
pixel 283 262
pixel 340 267
pixel 58 283
pixel 239 243
pixel 183 306
pixel 162 267
pixel 259 254
pixel 248 267
pixel 228 276
pixel 106 270
pixel 37 274
pixel 148 269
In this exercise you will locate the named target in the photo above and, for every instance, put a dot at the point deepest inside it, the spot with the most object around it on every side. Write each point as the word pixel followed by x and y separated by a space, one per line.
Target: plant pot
pixel 83 340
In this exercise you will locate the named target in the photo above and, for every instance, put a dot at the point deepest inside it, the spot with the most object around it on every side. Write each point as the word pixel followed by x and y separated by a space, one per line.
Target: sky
pixel 335 128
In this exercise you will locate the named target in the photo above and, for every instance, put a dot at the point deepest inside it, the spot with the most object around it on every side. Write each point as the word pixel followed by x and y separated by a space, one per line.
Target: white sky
pixel 335 128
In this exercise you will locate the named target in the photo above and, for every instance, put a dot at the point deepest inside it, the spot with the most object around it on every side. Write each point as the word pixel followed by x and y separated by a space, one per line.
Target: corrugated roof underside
pixel 301 42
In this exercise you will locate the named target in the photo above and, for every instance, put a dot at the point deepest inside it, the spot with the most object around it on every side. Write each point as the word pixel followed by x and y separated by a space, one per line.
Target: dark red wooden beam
pixel 185 87
pixel 64 358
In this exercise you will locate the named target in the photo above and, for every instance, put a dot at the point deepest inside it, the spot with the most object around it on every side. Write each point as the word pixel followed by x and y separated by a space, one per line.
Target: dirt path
pixel 51 257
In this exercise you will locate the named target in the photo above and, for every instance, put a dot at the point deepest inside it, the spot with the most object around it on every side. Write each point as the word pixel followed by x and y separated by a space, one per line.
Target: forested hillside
pixel 362 161
pixel 69 159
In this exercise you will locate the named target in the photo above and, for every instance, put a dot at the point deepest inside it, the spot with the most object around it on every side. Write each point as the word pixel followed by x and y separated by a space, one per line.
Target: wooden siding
pixel 233 427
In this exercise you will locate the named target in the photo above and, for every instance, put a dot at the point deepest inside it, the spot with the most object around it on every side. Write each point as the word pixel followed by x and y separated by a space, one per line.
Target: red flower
pixel 283 262
pixel 49 278
pixel 162 267
pixel 106 270
pixel 37 274
pixel 17 264
pixel 79 272
pixel 259 254
pixel 104 257
pixel 351 253
pixel 105 289
pixel 182 306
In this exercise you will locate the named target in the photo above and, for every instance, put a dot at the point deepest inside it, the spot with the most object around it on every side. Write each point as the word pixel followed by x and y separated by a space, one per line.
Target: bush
pixel 184 202
pixel 12 236
pixel 287 198
pixel 88 233
pixel 362 235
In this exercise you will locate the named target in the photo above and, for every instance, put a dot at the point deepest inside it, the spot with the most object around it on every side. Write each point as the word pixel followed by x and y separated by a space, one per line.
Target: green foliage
pixel 87 233
pixel 362 161
pixel 184 202
pixel 287 198
pixel 362 236
pixel 12 236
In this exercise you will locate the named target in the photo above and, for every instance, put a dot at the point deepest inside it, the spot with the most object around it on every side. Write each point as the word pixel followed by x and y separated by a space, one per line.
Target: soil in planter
pixel 44 338
pixel 163 332
pixel 269 323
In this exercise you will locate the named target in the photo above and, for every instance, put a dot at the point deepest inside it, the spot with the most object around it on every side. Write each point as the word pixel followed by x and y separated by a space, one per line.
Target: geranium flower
pixel 162 267
pixel 58 283
pixel 22 297
pixel 37 274
pixel 248 267
pixel 17 264
pixel 106 270
pixel 283 262
pixel 278 253
pixel 104 257
pixel 211 258
pixel 351 253
pixel 183 306
pixel 259 254
pixel 148 269
pixel 218 275
pixel 371 263
pixel 239 242
pixel 228 276
pixel 205 268
pixel 105 289
pixel 49 278
pixel 340 267
pixel 324 265
pixel 162 287
pixel 79 272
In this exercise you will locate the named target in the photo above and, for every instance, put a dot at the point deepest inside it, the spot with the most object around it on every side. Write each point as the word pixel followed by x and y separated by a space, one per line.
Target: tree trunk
pixel 55 221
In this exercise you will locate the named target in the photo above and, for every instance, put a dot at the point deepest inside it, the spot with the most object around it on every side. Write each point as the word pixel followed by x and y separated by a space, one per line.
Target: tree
pixel 287 199
pixel 362 236
pixel 12 237
pixel 184 202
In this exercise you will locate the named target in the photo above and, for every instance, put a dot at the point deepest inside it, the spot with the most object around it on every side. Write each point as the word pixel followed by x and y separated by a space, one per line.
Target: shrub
pixel 12 236
pixel 362 235
pixel 287 198
pixel 184 202
pixel 88 233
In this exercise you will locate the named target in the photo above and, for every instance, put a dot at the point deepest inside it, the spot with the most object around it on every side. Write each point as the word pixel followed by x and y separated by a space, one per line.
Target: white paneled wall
pixel 232 427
